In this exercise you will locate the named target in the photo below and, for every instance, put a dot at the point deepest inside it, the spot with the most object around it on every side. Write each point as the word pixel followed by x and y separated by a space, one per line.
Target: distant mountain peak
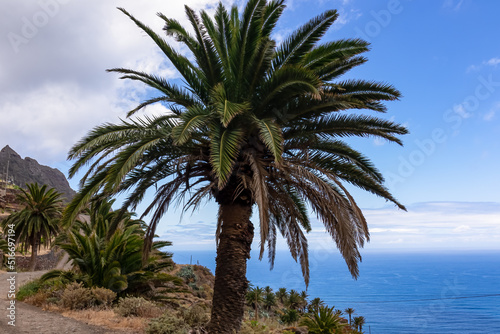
pixel 22 171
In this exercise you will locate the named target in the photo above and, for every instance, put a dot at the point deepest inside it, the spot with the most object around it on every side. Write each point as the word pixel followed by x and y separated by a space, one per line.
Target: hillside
pixel 22 171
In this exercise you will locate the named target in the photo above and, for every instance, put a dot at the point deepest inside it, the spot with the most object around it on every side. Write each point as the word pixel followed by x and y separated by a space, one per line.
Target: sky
pixel 443 55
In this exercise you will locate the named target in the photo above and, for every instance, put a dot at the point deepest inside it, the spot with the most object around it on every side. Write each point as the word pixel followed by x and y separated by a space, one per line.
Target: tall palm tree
pixel 254 124
pixel 38 222
pixel 349 311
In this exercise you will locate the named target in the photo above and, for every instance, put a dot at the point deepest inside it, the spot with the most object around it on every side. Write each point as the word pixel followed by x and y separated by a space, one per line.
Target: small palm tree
pixel 350 312
pixel 255 297
pixel 111 260
pixel 269 300
pixel 282 295
pixel 359 322
pixel 294 300
pixel 304 302
pixel 315 305
pixel 289 316
pixel 38 222
pixel 325 321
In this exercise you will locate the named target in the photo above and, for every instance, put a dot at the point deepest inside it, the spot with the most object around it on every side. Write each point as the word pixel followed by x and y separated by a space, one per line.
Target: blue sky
pixel 443 55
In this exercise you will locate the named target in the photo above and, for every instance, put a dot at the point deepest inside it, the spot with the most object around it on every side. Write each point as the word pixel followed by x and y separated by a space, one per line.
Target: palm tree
pixel 255 297
pixel 269 300
pixel 294 300
pixel 37 223
pixel 324 321
pixel 315 305
pixel 349 311
pixel 359 322
pixel 282 295
pixel 109 254
pixel 255 124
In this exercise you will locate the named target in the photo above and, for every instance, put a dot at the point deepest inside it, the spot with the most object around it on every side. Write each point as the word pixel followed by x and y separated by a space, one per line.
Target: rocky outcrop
pixel 22 171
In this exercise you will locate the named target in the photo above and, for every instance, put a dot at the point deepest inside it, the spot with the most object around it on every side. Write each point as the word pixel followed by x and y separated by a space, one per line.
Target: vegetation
pixel 108 253
pixel 324 321
pixel 37 223
pixel 359 322
pixel 256 123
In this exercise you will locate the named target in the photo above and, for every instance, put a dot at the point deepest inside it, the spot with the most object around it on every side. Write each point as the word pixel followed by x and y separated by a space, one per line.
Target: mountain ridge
pixel 28 170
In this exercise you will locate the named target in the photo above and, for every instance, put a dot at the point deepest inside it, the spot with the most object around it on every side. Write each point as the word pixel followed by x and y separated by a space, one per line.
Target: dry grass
pixel 109 319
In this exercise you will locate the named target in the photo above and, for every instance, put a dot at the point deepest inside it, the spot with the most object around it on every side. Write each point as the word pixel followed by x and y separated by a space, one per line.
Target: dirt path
pixel 33 320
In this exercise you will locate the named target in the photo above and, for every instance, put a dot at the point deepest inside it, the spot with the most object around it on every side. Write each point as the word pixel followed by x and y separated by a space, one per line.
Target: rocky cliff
pixel 28 170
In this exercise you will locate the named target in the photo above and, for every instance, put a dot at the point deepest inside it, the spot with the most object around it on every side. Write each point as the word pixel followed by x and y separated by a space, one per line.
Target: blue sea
pixel 432 293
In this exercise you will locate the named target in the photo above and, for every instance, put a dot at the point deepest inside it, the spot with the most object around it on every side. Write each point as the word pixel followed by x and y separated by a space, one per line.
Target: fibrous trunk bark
pixel 34 251
pixel 231 284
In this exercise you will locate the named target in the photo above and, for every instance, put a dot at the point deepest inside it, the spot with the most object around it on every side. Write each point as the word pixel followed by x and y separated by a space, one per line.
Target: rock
pixel 28 170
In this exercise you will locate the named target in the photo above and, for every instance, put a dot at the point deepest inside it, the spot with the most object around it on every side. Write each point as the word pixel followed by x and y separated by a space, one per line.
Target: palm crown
pixel 254 123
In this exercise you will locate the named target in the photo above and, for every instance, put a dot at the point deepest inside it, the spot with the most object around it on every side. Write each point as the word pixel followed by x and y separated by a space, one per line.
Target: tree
pixel 282 295
pixel 294 300
pixel 109 254
pixel 269 300
pixel 349 311
pixel 324 321
pixel 255 124
pixel 38 222
pixel 315 305
pixel 359 322
pixel 255 297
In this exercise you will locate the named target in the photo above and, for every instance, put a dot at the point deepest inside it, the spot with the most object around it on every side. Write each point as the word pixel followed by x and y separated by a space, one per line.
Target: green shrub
pixel 29 289
pixel 167 324
pixel 103 297
pixel 137 306
pixel 253 327
pixel 77 297
pixel 289 316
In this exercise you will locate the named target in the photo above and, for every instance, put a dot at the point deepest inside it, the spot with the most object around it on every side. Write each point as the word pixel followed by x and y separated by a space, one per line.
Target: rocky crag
pixel 22 171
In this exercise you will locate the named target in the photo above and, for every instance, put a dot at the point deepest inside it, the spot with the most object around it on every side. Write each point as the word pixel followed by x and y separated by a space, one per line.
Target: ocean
pixel 432 293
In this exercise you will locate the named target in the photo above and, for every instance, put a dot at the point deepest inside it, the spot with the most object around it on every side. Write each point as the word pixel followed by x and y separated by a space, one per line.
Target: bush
pixel 253 327
pixel 29 289
pixel 187 273
pixel 167 324
pixel 103 297
pixel 77 297
pixel 38 299
pixel 195 316
pixel 137 306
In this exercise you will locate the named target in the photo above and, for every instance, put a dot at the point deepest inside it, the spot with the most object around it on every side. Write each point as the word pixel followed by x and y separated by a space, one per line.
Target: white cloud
pixel 426 226
pixel 53 84
pixel 492 62
pixel 462 228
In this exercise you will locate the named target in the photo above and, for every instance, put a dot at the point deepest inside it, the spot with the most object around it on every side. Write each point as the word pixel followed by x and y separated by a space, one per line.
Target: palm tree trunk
pixel 34 250
pixel 228 305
